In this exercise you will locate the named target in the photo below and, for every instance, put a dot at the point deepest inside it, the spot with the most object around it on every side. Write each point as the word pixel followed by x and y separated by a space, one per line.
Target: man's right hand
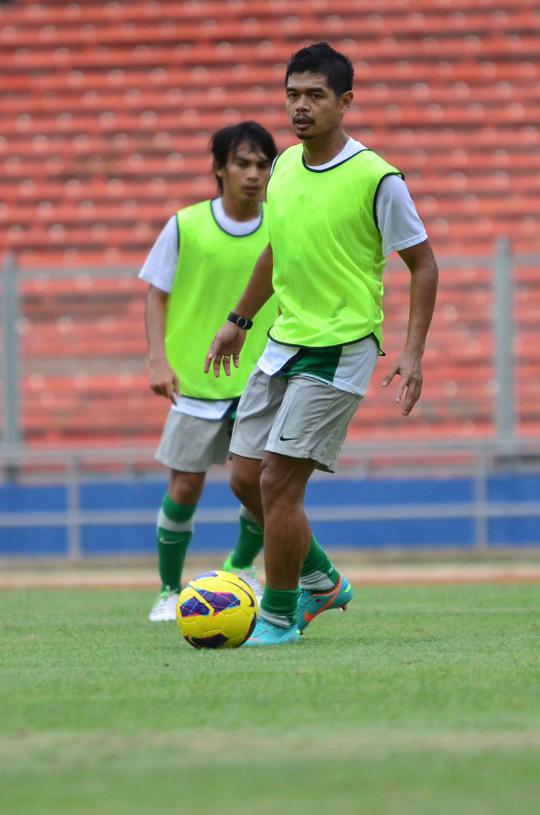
pixel 163 380
pixel 227 343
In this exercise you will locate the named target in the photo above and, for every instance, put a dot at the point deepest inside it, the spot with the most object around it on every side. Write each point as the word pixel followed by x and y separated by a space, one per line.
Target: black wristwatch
pixel 241 322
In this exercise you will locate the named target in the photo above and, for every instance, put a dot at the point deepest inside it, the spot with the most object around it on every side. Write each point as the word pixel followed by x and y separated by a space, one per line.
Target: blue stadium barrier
pixel 367 514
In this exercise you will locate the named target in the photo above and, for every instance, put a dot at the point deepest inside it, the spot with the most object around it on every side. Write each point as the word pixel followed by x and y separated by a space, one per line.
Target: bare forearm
pixel 229 340
pixel 259 289
pixel 155 319
pixel 423 292
pixel 424 279
pixel 163 380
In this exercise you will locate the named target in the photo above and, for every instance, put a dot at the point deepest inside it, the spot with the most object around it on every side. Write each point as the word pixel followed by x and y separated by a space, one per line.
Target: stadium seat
pixel 107 117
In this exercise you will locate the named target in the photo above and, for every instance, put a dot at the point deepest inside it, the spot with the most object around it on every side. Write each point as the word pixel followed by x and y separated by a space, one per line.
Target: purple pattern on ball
pixel 194 608
pixel 219 600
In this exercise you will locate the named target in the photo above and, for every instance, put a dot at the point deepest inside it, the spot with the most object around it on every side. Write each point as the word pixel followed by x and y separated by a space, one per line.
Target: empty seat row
pixel 109 108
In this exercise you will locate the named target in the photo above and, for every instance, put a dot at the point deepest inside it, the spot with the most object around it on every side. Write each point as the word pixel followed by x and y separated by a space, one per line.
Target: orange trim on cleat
pixel 311 603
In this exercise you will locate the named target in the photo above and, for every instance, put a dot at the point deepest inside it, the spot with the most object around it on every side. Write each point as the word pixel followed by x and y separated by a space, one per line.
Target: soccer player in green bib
pixel 199 266
pixel 336 209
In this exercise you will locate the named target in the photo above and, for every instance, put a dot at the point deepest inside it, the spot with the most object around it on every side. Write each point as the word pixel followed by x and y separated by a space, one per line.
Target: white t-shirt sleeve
pixel 160 266
pixel 399 223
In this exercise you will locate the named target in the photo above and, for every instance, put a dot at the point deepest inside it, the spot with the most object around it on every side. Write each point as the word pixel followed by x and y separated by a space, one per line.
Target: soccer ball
pixel 216 610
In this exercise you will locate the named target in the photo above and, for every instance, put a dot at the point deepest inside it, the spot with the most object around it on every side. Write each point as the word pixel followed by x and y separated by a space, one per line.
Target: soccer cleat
pixel 266 633
pixel 313 603
pixel 164 609
pixel 248 573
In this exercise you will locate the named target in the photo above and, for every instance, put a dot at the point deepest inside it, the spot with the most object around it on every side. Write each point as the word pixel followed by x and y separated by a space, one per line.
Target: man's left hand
pixel 409 366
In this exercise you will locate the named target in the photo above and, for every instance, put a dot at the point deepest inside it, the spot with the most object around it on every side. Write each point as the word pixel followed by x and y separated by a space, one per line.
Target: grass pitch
pixel 418 700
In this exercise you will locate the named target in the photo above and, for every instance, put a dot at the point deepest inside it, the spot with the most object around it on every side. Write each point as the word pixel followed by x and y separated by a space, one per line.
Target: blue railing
pixel 481 506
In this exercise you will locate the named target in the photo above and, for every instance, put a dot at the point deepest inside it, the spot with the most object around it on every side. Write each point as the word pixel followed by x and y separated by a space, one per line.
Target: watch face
pixel 241 322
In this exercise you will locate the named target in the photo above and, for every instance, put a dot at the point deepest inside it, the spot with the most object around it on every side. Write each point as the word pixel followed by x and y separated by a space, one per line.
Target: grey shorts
pixel 299 417
pixel 192 445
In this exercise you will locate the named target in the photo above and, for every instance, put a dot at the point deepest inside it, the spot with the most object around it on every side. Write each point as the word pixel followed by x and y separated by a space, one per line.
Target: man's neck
pixel 240 210
pixel 321 150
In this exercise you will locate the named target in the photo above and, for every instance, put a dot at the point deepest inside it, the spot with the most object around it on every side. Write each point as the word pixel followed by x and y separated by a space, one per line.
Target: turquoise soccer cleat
pixel 266 633
pixel 313 603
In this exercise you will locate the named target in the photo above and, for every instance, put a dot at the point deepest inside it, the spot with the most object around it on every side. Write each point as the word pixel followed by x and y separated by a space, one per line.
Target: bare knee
pixel 245 482
pixel 283 481
pixel 185 488
pixel 270 483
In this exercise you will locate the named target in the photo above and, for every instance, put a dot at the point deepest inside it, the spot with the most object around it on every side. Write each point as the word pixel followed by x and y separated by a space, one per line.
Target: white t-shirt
pixel 159 269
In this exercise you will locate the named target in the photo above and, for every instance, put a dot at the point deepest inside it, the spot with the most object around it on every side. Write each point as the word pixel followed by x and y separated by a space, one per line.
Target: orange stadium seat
pixel 108 110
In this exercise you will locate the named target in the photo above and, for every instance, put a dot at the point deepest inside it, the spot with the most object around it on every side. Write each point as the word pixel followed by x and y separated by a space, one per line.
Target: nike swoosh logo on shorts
pixel 288 438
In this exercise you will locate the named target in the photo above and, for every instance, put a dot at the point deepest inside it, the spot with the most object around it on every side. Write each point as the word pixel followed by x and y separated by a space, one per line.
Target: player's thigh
pixel 190 444
pixel 312 422
pixel 255 415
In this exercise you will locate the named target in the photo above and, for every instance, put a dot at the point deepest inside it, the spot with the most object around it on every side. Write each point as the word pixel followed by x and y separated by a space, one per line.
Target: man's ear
pixel 346 101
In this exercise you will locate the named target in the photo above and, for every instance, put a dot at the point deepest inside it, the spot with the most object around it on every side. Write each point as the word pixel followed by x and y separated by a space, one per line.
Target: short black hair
pixel 227 140
pixel 321 58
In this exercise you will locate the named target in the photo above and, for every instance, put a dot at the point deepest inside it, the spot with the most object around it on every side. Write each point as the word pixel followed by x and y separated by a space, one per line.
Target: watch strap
pixel 241 322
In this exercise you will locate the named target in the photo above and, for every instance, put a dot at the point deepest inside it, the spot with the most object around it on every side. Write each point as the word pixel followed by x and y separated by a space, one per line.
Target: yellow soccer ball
pixel 216 610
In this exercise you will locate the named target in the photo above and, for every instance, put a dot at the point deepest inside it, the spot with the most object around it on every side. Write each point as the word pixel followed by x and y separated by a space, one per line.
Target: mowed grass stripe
pixel 404 782
pixel 74 750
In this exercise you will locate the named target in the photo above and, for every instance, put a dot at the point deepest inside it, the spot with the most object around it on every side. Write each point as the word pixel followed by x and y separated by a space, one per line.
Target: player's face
pixel 312 106
pixel 246 173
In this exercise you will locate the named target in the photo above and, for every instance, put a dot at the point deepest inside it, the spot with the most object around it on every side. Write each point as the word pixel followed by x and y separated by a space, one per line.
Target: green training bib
pixel 213 270
pixel 327 249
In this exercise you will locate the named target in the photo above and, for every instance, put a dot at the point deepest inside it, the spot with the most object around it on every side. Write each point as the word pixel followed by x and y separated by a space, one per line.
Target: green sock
pixel 279 606
pixel 318 571
pixel 174 531
pixel 249 543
